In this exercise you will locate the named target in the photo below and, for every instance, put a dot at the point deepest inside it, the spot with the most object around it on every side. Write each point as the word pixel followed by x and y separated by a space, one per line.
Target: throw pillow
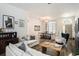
pixel 25 38
pixel 32 37
pixel 22 47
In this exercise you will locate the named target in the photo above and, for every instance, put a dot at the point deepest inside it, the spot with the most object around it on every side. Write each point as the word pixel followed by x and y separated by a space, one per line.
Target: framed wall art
pixel 8 21
pixel 21 23
pixel 36 27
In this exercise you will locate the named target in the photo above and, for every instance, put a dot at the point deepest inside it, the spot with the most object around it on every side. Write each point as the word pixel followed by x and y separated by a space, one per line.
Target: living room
pixel 44 23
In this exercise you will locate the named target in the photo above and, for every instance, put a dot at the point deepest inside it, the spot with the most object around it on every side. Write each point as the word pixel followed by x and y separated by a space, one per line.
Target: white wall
pixel 36 21
pixel 31 18
pixel 30 26
pixel 6 9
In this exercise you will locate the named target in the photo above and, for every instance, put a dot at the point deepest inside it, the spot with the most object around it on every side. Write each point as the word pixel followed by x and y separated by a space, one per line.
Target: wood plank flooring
pixel 65 51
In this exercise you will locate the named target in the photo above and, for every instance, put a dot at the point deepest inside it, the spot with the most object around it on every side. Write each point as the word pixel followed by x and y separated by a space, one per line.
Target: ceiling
pixel 45 9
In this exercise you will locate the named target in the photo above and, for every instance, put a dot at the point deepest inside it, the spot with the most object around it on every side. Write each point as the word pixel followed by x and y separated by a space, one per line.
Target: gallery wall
pixel 18 14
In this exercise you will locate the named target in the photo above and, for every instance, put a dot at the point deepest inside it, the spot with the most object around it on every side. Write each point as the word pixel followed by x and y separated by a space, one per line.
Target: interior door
pixel 68 29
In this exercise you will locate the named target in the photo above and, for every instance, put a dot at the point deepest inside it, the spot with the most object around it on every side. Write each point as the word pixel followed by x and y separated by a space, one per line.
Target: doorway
pixel 68 29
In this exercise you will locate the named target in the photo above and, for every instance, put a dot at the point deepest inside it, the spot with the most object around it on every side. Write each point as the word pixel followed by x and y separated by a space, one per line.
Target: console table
pixel 6 38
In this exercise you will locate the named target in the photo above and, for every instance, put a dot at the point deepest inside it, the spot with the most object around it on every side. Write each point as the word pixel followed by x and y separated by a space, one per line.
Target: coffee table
pixel 45 45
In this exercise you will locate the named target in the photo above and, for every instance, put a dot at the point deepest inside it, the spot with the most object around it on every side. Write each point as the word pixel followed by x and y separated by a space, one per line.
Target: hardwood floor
pixel 65 51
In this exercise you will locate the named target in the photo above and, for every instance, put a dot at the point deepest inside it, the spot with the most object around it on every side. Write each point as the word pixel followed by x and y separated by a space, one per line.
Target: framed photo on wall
pixel 36 27
pixel 8 21
pixel 21 23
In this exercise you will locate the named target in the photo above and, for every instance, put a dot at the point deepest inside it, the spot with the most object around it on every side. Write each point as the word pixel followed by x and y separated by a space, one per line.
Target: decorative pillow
pixel 22 47
pixel 25 38
pixel 32 37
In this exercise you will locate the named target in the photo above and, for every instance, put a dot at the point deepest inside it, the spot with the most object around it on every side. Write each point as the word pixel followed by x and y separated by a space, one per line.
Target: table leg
pixel 44 49
pixel 58 53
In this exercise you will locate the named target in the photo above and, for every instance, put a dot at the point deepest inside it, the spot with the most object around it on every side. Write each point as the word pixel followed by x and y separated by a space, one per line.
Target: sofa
pixel 13 50
pixel 32 43
pixel 31 40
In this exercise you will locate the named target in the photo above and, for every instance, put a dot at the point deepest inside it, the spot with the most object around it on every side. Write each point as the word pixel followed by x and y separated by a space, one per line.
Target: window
pixel 51 27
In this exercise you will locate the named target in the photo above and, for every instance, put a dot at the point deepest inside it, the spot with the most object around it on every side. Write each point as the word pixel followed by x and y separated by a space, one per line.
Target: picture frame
pixel 36 27
pixel 16 22
pixel 21 23
pixel 8 21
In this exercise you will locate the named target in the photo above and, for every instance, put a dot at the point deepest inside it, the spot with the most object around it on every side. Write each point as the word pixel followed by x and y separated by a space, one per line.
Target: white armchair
pixel 61 41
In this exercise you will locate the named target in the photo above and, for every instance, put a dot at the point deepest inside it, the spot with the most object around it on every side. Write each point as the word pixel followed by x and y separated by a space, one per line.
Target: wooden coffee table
pixel 45 45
